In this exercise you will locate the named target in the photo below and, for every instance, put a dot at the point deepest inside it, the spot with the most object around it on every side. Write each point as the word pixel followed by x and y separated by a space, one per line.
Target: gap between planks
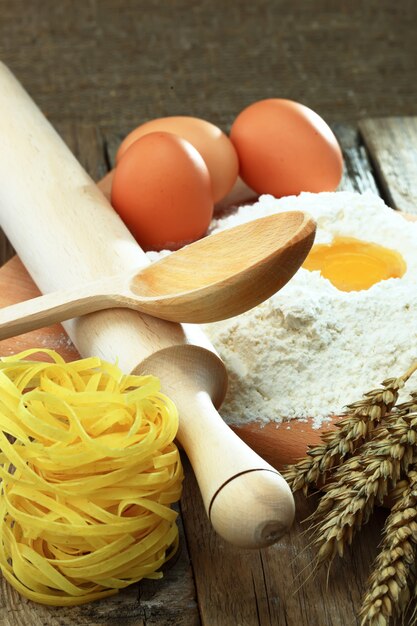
pixel 392 145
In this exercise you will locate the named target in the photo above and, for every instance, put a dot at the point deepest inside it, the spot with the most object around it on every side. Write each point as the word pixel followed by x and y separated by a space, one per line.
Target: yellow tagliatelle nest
pixel 88 470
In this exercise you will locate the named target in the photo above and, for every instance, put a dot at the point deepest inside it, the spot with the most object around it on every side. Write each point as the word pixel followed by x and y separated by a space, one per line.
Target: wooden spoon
pixel 214 278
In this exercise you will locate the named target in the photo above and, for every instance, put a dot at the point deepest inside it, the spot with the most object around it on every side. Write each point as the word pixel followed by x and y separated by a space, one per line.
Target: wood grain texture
pixel 391 143
pixel 278 585
pixel 358 174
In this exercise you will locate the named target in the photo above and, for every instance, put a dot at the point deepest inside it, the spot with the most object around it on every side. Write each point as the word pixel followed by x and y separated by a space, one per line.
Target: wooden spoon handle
pixel 58 306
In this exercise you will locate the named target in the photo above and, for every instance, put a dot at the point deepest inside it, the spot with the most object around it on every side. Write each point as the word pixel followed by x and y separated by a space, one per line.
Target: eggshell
pixel 214 146
pixel 161 189
pixel 285 148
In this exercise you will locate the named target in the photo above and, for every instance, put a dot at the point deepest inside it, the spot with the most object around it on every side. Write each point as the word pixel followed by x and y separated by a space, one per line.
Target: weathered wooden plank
pixel 277 586
pixel 357 171
pixel 392 145
pixel 113 139
pixel 167 601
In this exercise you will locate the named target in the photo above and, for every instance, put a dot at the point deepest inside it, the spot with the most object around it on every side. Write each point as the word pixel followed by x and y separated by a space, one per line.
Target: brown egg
pixel 161 190
pixel 213 145
pixel 285 148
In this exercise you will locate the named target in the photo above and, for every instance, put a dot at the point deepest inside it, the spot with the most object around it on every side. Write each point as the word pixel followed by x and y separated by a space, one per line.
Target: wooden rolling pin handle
pixel 247 500
pixel 253 509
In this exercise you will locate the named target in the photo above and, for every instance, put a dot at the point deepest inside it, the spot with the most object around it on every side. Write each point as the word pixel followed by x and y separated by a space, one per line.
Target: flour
pixel 311 349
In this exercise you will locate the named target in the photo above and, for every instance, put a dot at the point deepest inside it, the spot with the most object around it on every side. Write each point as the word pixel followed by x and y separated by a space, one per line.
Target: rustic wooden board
pixel 211 582
pixel 275 586
pixel 357 174
pixel 392 143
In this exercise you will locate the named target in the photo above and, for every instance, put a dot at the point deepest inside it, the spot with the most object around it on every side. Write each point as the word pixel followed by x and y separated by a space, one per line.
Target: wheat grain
pixel 361 419
pixel 388 592
pixel 361 482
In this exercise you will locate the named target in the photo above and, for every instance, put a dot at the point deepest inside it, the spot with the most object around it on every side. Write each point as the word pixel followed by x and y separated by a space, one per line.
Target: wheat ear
pixel 361 419
pixel 388 591
pixel 361 482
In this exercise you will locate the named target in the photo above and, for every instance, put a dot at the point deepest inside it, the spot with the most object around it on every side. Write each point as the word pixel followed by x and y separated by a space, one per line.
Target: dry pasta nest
pixel 88 470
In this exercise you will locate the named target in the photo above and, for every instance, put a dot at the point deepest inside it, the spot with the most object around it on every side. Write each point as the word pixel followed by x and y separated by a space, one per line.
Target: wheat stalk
pixel 361 419
pixel 362 481
pixel 388 591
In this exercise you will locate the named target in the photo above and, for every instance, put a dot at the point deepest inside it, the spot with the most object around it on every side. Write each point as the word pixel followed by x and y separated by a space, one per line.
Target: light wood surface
pixel 72 235
pixel 215 278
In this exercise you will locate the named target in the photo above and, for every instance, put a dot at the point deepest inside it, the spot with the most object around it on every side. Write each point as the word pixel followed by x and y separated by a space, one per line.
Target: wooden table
pixel 211 582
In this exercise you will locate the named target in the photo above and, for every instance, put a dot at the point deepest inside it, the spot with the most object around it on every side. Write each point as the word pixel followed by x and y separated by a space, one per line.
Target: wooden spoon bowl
pixel 215 278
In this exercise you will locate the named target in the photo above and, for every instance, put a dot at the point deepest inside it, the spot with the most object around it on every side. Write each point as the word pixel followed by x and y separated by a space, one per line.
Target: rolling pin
pixel 66 233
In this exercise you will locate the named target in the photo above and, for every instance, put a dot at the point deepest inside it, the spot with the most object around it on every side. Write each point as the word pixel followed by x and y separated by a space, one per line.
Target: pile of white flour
pixel 311 349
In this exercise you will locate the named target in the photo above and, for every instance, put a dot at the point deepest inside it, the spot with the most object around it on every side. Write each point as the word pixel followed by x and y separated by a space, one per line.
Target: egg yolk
pixel 353 265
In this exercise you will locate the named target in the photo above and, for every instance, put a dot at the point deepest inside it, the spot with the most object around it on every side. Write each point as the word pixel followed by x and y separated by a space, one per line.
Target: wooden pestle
pixel 66 233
